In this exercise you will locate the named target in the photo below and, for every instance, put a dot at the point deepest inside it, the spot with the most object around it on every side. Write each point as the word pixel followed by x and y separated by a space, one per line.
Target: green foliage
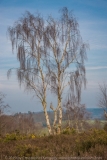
pixel 10 137
pixel 69 131
pixel 15 136
pixel 69 143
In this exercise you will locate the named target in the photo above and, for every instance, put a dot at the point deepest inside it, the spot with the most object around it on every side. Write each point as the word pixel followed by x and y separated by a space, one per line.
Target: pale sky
pixel 92 19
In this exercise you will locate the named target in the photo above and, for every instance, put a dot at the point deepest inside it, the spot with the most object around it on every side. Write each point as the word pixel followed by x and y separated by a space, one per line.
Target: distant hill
pixel 96 113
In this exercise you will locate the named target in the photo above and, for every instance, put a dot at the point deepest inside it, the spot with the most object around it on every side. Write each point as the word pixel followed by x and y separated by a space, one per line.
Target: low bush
pixel 105 127
pixel 69 143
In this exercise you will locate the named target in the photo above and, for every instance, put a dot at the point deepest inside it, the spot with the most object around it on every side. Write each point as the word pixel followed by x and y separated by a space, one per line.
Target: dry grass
pixel 69 143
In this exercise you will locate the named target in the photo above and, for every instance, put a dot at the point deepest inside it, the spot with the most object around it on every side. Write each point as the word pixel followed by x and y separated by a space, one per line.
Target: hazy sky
pixel 92 19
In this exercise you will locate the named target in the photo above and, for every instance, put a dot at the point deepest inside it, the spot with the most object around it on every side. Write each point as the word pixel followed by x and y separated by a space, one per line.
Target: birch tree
pixel 103 98
pixel 27 38
pixel 67 53
pixel 48 51
pixel 76 113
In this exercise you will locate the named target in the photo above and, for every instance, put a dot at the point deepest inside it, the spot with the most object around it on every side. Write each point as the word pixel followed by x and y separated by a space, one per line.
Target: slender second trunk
pixel 47 119
pixel 60 116
pixel 54 123
pixel 59 99
pixel 44 100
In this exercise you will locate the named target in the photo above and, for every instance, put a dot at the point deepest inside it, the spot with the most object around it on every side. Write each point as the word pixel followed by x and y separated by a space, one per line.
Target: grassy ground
pixel 91 142
pixel 92 124
pixel 68 143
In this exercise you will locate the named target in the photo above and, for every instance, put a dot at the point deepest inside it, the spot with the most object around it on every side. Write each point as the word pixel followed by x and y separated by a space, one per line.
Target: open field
pixel 92 124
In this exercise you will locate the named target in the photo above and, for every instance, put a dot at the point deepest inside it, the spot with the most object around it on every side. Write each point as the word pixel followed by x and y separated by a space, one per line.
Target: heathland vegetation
pixel 25 135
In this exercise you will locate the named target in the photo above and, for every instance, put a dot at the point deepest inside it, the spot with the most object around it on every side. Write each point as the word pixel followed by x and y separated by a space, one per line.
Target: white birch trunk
pixel 47 119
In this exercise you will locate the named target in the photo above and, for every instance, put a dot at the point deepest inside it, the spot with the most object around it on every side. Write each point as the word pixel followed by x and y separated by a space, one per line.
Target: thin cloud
pixel 96 68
